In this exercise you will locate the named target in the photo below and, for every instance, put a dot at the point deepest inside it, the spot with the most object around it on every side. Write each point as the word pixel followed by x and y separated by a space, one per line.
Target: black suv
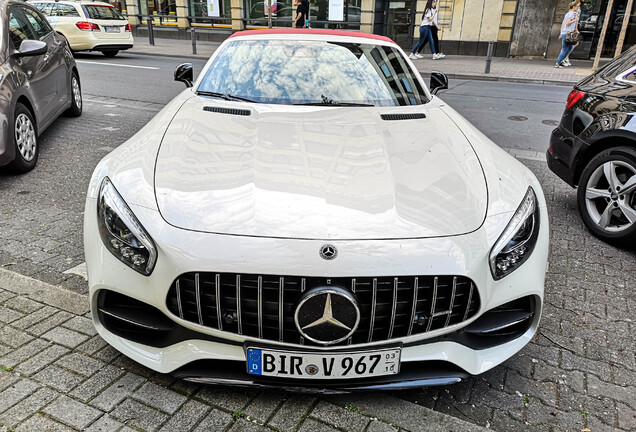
pixel 594 148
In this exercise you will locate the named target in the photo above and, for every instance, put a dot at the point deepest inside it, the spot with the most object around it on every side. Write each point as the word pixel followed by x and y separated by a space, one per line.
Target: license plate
pixel 290 364
pixel 111 29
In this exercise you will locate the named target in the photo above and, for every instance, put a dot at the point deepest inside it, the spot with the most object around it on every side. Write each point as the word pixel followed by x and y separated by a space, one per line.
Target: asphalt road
pixel 134 77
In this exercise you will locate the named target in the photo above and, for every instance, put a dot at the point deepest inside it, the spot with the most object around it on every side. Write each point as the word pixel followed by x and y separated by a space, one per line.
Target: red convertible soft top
pixel 313 31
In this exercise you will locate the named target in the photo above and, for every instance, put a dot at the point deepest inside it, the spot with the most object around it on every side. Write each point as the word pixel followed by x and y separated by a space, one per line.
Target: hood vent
pixel 415 116
pixel 231 111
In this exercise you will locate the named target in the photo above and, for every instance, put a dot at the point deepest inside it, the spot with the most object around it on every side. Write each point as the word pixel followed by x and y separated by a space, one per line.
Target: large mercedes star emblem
pixel 327 315
pixel 328 252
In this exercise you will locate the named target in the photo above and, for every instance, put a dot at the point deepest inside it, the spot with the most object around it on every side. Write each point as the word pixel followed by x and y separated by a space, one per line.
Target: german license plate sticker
pixel 303 365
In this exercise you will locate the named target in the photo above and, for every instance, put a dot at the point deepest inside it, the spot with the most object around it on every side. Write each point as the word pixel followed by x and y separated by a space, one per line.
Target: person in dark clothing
pixel 302 13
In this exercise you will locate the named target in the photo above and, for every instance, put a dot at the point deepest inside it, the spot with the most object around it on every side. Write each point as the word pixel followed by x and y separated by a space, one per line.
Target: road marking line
pixel 526 154
pixel 111 115
pixel 109 129
pixel 79 270
pixel 116 64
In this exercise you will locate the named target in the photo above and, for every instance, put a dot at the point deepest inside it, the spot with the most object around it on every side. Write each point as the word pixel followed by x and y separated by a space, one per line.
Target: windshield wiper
pixel 225 96
pixel 332 103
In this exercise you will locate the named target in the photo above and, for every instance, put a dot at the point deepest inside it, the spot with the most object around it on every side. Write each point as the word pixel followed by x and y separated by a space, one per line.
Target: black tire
pixel 75 110
pixel 606 195
pixel 110 53
pixel 25 140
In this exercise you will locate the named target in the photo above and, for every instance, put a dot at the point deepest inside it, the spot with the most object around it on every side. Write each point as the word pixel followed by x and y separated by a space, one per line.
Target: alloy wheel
pixel 610 196
pixel 25 137
pixel 77 93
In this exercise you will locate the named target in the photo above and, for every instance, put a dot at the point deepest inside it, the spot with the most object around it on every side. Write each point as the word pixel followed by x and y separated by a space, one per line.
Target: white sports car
pixel 308 215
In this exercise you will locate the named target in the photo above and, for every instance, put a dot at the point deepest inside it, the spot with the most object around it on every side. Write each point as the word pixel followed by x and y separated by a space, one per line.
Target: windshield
pixel 313 72
pixel 103 12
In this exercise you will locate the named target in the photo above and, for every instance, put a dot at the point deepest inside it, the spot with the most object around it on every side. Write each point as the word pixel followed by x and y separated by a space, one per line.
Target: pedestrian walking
pixel 302 13
pixel 566 60
pixel 434 31
pixel 426 36
pixel 568 26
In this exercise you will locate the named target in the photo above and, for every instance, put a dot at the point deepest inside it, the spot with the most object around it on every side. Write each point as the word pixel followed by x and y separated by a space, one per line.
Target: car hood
pixel 318 172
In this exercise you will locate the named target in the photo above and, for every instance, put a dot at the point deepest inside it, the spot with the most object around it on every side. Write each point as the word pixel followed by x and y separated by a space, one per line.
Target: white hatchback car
pixel 88 25
pixel 308 215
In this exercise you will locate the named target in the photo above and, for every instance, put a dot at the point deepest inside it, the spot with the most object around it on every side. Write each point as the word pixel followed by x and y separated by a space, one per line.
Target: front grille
pixel 263 306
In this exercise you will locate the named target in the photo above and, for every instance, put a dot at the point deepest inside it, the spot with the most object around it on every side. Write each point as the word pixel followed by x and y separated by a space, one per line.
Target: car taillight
pixel 87 26
pixel 128 28
pixel 573 98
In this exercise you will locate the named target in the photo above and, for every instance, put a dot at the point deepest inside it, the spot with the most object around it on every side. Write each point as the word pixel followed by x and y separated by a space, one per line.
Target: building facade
pixel 527 28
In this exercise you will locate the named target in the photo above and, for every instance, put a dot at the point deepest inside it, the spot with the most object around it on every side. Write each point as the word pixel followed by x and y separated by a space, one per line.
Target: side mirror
pixel 30 48
pixel 184 73
pixel 439 81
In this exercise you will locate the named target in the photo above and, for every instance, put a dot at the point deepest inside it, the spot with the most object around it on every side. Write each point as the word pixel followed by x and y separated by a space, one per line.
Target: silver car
pixel 38 82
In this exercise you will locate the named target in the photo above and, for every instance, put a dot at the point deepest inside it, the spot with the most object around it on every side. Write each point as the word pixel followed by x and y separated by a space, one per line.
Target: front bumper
pixel 209 355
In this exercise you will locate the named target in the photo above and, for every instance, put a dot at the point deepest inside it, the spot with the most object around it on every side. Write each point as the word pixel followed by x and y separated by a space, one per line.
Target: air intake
pixel 230 111
pixel 415 116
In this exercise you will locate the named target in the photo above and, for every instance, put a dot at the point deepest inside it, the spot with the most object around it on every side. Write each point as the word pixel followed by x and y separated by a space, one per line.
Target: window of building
pixel 163 12
pixel 282 13
pixel 201 15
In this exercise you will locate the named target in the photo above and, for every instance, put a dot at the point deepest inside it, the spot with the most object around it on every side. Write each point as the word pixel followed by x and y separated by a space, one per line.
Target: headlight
pixel 122 233
pixel 516 243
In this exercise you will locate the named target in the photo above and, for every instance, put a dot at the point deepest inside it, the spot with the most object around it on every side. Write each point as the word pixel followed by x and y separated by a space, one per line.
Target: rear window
pixel 65 10
pixel 102 12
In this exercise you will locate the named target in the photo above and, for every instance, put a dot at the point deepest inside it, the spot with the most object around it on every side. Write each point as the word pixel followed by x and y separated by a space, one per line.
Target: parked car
pixel 88 25
pixel 307 214
pixel 594 149
pixel 38 82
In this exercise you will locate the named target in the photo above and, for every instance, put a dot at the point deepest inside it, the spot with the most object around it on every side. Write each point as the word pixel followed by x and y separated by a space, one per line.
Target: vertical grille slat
pixel 263 306
pixel 373 303
pixel 452 302
pixel 433 304
pixel 395 294
pixel 470 298
pixel 217 291
pixel 179 305
pixel 281 299
pixel 260 307
pixel 197 290
pixel 414 308
pixel 239 316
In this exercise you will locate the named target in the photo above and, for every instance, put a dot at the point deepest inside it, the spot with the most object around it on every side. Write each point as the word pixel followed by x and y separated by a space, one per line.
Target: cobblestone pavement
pixel 56 374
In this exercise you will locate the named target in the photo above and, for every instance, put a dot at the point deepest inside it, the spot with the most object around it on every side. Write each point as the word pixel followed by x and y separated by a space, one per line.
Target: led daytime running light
pixel 506 255
pixel 125 248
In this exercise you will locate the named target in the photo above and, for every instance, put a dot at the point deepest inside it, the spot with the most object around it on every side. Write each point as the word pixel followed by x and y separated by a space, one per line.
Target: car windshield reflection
pixel 268 71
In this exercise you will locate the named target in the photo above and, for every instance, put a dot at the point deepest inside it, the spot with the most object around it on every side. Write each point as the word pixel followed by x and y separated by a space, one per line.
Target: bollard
pixel 151 36
pixel 489 56
pixel 194 40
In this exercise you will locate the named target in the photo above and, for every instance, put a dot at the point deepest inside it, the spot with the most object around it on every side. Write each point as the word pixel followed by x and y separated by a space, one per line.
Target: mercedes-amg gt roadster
pixel 308 215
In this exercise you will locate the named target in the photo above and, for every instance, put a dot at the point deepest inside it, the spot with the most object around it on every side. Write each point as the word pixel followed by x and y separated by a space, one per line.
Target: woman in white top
pixel 425 30
pixel 569 25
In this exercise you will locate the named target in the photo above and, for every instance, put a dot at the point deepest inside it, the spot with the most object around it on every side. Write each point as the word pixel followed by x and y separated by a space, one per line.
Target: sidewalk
pixel 534 71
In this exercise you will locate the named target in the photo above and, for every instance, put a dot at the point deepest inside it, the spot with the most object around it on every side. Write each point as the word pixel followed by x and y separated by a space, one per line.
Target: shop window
pixel 282 12
pixel 217 12
pixel 162 12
